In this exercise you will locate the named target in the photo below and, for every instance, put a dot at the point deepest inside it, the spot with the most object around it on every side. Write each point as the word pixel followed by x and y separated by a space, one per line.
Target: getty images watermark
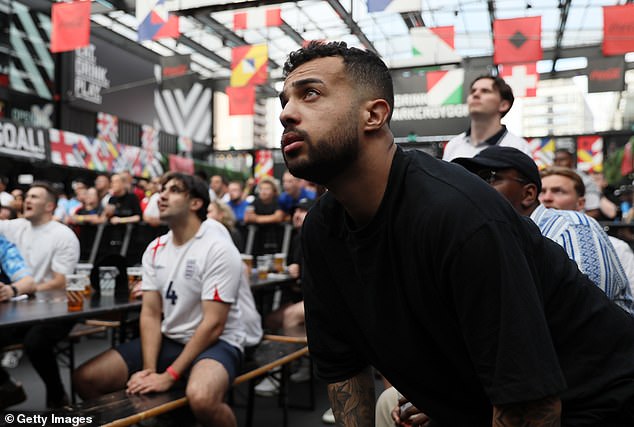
pixel 45 419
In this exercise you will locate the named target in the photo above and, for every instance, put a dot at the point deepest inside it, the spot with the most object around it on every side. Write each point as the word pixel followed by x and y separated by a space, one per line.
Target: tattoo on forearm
pixel 540 413
pixel 352 401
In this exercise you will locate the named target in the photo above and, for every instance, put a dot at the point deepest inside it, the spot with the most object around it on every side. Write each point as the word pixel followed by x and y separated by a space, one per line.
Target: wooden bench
pixel 119 409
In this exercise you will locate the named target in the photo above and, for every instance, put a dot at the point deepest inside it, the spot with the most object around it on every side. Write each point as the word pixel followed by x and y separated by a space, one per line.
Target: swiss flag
pixel 522 78
pixel 618 30
pixel 241 100
pixel 517 40
pixel 257 18
pixel 70 26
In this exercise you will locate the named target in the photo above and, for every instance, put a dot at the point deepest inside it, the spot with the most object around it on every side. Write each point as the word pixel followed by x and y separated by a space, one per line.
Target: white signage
pixel 90 78
pixel 22 141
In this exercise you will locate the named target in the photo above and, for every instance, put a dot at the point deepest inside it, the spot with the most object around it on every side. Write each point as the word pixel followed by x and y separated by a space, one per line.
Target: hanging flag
pixel 263 164
pixel 149 138
pixel 590 153
pixel 396 6
pixel 257 18
pixel 444 87
pixel 627 164
pixel 181 164
pixel 241 100
pixel 543 151
pixel 618 31
pixel 431 46
pixel 154 20
pixel 522 78
pixel 517 40
pixel 249 65
pixel 70 26
pixel 107 127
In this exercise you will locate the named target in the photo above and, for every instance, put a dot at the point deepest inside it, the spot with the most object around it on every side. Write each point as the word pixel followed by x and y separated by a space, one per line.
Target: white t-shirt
pixel 6 198
pixel 47 248
pixel 152 209
pixel 461 146
pixel 208 267
pixel 626 256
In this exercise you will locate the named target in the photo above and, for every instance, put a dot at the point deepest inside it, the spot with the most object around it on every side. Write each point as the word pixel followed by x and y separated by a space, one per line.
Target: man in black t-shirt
pixel 123 207
pixel 422 270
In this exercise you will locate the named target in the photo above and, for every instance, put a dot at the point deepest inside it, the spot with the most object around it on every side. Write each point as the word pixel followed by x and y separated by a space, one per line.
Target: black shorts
pixel 227 355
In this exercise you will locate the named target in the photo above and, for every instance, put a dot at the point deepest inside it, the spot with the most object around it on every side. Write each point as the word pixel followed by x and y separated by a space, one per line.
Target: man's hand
pixel 6 293
pixel 148 381
pixel 406 414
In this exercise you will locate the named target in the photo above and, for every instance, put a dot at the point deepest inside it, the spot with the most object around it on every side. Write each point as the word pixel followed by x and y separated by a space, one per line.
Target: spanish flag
pixel 249 65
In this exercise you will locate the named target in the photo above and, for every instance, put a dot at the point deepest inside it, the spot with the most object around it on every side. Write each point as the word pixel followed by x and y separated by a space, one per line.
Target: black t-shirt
pixel 125 205
pixel 460 302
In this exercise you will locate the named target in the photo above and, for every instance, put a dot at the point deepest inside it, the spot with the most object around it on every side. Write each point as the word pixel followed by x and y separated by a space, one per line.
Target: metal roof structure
pixel 208 35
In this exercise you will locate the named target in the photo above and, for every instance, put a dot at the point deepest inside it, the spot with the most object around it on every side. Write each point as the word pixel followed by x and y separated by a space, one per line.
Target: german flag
pixel 249 65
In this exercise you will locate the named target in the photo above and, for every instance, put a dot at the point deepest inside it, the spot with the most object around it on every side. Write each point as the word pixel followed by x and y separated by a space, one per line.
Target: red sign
pixel 618 29
pixel 517 40
pixel 70 26
pixel 241 100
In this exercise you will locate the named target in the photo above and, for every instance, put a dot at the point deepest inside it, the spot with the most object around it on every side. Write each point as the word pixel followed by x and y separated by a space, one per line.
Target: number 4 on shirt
pixel 171 294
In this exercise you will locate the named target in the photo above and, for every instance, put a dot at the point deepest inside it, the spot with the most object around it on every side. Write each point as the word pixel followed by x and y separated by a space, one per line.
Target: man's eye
pixel 310 93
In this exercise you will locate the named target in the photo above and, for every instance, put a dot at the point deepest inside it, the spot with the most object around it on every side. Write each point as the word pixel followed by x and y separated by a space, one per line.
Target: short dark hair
pixel 223 178
pixel 505 91
pixel 51 193
pixel 196 187
pixel 364 67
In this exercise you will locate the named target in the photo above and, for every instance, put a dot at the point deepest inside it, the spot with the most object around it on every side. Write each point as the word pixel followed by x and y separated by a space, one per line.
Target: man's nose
pixel 289 114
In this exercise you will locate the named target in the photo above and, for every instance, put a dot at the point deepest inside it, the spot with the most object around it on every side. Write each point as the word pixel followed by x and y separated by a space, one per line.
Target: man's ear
pixel 195 204
pixel 504 107
pixel 375 114
pixel 529 195
pixel 581 204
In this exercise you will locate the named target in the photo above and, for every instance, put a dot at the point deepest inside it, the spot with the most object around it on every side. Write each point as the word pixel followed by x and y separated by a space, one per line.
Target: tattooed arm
pixel 352 400
pixel 538 413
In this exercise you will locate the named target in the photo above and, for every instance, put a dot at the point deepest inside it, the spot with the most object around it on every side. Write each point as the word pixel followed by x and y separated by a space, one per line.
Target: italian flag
pixel 444 87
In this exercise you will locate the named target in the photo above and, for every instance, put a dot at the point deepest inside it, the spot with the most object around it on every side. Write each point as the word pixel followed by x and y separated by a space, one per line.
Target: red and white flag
pixel 522 78
pixel 257 18
pixel 70 26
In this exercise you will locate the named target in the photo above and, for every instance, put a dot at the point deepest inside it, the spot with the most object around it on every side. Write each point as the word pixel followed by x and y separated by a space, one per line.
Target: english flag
pixel 241 100
pixel 257 18
pixel 70 26
pixel 522 78
pixel 517 40
pixel 618 31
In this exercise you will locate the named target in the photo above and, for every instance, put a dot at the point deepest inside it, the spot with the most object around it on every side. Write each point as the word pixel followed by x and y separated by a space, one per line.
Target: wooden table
pixel 51 305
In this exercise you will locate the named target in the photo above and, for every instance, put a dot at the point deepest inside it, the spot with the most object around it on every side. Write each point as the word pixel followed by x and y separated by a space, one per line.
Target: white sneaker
pixel 11 359
pixel 328 417
pixel 302 375
pixel 269 386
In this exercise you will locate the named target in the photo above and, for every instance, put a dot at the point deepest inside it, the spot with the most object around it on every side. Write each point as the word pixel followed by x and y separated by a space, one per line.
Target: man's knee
pixel 207 385
pixel 106 372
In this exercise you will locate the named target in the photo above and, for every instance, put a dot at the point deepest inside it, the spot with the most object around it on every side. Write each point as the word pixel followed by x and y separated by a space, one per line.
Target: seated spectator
pixel 267 214
pixel 16 280
pixel 516 177
pixel 90 210
pixel 18 201
pixel 149 205
pixel 237 201
pixel 51 251
pixel 193 316
pixel 222 213
pixel 294 191
pixel 123 207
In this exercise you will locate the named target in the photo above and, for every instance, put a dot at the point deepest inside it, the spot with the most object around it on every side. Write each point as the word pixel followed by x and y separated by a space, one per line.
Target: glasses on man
pixel 493 177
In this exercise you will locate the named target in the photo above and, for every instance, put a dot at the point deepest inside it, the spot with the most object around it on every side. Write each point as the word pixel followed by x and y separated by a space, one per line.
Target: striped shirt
pixel 587 244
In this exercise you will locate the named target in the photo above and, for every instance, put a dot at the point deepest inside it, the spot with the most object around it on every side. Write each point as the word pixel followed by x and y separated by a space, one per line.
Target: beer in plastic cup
pixel 84 269
pixel 134 276
pixel 248 260
pixel 75 291
pixel 279 260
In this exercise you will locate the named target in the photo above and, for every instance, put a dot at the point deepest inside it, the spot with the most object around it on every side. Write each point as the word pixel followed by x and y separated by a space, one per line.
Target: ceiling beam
pixel 291 33
pixel 204 51
pixel 230 6
pixel 354 28
pixel 564 8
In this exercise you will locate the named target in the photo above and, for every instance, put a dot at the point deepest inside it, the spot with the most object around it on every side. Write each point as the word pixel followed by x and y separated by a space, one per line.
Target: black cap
pixel 305 203
pixel 496 158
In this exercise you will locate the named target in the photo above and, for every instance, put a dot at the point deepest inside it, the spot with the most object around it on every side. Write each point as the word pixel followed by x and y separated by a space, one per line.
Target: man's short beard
pixel 327 159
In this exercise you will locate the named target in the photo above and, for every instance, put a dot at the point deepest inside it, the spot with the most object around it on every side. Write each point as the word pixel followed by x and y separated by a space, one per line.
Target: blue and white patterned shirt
pixel 587 244
pixel 11 261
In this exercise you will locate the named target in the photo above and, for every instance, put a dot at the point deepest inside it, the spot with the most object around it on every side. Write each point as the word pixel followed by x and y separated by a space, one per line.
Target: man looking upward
pixel 391 237
pixel 490 98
